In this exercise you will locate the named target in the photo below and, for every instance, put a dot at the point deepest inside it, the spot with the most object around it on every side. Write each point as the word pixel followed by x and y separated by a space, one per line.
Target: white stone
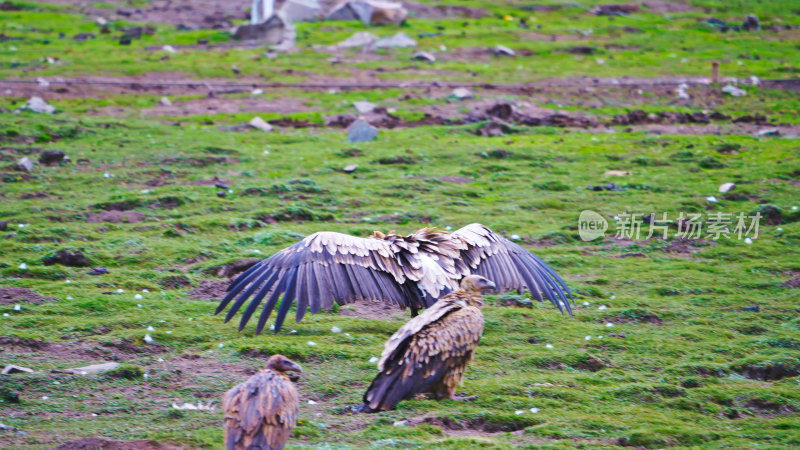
pixel 148 339
pixel 519 412
pixel 364 107
pixel 312 402
pixel 588 338
pixel 138 297
pixel 734 91
pixel 43 83
pixel 336 330
pixel 503 50
pixel 38 105
pixel 609 325
pixel 169 49
pixel 534 410
pixel 515 237
pixel 726 187
pixel 165 101
pixel 311 343
pixel 462 93
pixel 549 346
pixel 259 124
pixel 23 266
pixel 601 307
pixel 373 360
pixel 360 39
pixel 17 308
pixel 586 303
pixel 748 241
pixel 150 328
pixel 397 40
pixel 711 198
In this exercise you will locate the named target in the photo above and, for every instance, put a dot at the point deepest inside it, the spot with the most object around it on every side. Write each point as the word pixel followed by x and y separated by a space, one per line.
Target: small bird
pixel 410 271
pixel 261 412
pixel 428 355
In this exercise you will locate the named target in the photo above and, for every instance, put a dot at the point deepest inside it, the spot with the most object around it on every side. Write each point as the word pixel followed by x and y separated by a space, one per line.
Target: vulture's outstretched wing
pixel 261 412
pixel 433 346
pixel 326 267
pixel 511 267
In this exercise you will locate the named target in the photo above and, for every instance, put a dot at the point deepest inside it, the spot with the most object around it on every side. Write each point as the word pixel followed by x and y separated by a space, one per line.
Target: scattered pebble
pixel 601 61
pixel 146 376
pixel 748 241
pixel 311 343
pixel 312 402
pixel 138 305
pixel 462 93
pixel 734 91
pixel 613 297
pixel 67 281
pixel 70 298
pixel 712 199
pixel 588 338
pixel 150 328
pixel 169 332
pixel 44 397
pixel 107 175
pixel 519 412
pixel 373 360
pixel 549 346
pixel 586 303
pixel 138 297
pixel 448 228
pixel 515 237
pixel 120 291
pixel 257 91
pixel 23 266
pixel 601 307
pixel 534 410
pixel 145 291
pixel 169 49
pixel 17 308
pixel 609 325
pixel 336 330
pixel 148 339
pixel 6 315
pixel 727 187
pixel 401 423
pixel 794 208
pixel 160 360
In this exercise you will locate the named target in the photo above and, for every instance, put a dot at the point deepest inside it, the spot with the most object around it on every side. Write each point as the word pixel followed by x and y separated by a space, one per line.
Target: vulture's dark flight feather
pixel 411 271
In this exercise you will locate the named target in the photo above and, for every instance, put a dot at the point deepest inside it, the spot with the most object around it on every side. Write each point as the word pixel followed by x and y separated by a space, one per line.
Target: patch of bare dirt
pixel 79 350
pixel 209 290
pixel 114 216
pixel 766 408
pixel 662 7
pixel 455 179
pixel 372 310
pixel 13 295
pixel 422 11
pixel 221 105
pixel 688 246
pixel 794 283
pixel 94 443
pixel 209 182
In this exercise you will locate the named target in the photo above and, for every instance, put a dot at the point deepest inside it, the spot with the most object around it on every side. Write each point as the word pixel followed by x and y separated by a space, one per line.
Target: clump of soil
pixel 175 282
pixel 13 295
pixel 68 258
pixel 209 290
pixel 114 216
pixel 371 310
pixel 92 443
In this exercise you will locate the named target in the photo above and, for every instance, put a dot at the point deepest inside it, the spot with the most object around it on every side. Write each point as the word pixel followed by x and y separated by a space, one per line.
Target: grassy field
pixel 664 349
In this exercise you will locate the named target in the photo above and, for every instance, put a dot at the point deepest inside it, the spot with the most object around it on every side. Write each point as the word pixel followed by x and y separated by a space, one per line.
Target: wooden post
pixel 715 72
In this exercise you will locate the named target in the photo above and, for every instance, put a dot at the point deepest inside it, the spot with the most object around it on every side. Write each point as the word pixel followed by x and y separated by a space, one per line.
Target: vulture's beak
pixel 295 367
pixel 491 285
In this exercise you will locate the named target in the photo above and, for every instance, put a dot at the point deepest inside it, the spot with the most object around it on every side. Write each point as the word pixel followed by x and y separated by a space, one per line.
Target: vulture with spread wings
pixel 412 271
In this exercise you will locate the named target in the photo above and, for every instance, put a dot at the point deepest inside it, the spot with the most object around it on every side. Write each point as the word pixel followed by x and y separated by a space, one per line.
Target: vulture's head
pixel 280 363
pixel 477 284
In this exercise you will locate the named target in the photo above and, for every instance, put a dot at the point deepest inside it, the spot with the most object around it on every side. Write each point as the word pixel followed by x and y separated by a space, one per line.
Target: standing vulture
pixel 429 354
pixel 412 271
pixel 261 412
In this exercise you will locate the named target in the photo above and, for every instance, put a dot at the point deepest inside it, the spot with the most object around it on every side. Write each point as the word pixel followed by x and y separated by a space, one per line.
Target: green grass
pixel 682 375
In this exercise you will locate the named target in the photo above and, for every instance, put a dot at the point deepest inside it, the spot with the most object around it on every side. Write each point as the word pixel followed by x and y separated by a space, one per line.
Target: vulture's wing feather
pixel 509 266
pixel 260 412
pixel 424 351
pixel 326 267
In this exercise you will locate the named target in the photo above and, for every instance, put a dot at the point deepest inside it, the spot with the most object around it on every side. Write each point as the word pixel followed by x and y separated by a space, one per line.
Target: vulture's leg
pixel 414 311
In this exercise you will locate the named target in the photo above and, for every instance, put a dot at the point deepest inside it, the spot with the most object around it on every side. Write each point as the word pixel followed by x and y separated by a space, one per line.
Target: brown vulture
pixel 412 271
pixel 261 412
pixel 428 355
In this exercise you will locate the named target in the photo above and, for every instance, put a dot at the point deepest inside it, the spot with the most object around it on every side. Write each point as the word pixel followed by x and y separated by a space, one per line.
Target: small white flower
pixel 120 291
pixel 221 345
pixel 711 198
pixel 609 325
pixel 312 402
pixel 138 297
pixel 549 346
pixel 230 191
pixel 44 397
pixel 780 229
pixel 600 337
pixel 148 339
pixel 107 175
pixel 70 298
pixel 94 415
pixel 190 319
pixel 146 376
pixel 588 338
pixel 336 330
pixel 347 334
pixel 293 332
pixel 17 308
pixel 6 315
pixel 145 291
pixel 586 303
pixel 22 225
pixel 138 305
pixel 748 241
pixel 56 382
pixel 266 152
pixel 23 266
pixel 255 250
pixel 169 332
pixel 150 328
pixel 67 281
pixel 534 410
pixel 373 360
pixel 794 208
pixel 613 297
pixel 272 327
pixel 515 237
pixel 519 412
pixel 311 343
pixel 601 307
